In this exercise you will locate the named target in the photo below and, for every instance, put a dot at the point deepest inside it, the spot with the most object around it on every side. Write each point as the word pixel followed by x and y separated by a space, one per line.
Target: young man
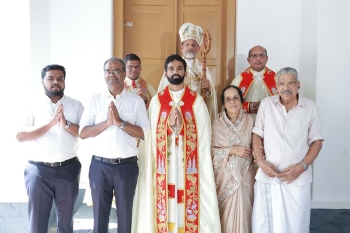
pixel 53 171
pixel 178 192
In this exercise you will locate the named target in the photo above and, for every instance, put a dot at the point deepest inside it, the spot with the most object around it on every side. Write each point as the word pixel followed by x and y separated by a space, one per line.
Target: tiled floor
pixel 321 221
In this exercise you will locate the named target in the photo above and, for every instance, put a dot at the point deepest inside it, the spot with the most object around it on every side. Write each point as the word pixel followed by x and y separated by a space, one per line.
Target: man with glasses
pixel 115 120
pixel 257 81
pixel 134 83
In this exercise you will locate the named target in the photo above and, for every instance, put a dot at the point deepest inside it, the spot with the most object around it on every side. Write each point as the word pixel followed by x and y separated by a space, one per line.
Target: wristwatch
pixel 304 165
pixel 67 124
pixel 122 125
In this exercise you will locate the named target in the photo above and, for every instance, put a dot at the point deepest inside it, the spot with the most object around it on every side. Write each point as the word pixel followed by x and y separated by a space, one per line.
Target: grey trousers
pixel 45 185
pixel 104 179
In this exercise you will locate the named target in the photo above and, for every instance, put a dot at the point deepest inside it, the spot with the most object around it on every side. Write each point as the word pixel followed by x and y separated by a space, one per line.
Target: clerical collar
pixel 177 94
pixel 129 80
pixel 260 73
pixel 189 61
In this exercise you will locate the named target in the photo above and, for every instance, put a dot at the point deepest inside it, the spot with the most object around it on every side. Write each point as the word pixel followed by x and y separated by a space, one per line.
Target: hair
pixel 112 59
pixel 257 46
pixel 53 67
pixel 173 57
pixel 287 70
pixel 131 57
pixel 234 87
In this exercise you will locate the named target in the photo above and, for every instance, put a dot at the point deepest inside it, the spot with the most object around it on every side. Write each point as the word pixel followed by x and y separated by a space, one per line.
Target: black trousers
pixel 104 179
pixel 45 185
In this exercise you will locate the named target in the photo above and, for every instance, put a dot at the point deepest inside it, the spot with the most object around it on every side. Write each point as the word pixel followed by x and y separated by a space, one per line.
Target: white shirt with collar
pixel 287 135
pixel 114 142
pixel 56 145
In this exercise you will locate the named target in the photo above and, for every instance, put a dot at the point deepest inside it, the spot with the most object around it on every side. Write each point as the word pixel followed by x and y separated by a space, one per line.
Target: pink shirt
pixel 287 135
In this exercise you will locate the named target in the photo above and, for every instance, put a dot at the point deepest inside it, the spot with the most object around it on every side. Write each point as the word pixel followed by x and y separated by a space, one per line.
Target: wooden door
pixel 150 30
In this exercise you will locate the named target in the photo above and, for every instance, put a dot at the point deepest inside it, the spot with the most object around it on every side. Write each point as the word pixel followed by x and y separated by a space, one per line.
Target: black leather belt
pixel 56 164
pixel 132 159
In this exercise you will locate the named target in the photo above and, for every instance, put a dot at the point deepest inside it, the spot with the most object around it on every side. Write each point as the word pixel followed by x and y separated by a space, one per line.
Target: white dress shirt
pixel 287 135
pixel 56 145
pixel 114 142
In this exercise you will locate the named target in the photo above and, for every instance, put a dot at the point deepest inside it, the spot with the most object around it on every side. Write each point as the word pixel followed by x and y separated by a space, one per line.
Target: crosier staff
pixel 205 48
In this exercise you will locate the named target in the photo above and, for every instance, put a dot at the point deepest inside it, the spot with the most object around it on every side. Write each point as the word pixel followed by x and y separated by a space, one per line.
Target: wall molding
pixel 330 204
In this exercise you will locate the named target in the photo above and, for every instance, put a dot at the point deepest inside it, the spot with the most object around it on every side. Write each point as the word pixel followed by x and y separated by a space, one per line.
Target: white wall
pixel 332 169
pixel 15 82
pixel 313 37
pixel 76 34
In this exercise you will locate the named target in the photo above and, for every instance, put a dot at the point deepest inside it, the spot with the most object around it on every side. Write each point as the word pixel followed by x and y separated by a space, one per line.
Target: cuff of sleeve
pixel 315 138
pixel 258 131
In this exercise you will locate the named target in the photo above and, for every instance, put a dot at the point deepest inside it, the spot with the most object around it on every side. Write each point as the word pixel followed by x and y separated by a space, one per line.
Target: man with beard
pixel 191 40
pixel 115 120
pixel 257 81
pixel 178 192
pixel 52 174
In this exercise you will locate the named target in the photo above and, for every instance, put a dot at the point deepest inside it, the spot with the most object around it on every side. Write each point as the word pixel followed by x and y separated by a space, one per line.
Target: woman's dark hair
pixel 234 87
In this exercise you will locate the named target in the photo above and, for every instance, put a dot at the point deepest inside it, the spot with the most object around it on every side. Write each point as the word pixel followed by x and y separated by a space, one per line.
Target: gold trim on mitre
pixel 189 31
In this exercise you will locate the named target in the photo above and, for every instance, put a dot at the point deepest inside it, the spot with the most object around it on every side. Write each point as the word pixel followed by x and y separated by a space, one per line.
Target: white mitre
pixel 189 31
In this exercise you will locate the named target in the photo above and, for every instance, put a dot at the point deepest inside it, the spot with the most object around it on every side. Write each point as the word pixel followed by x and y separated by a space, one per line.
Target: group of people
pixel 168 158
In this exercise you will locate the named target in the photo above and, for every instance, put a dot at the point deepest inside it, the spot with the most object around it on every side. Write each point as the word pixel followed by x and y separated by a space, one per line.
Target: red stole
pixel 190 195
pixel 247 80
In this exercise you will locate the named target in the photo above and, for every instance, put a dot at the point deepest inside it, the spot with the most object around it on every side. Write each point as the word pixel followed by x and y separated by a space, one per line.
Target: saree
pixel 234 175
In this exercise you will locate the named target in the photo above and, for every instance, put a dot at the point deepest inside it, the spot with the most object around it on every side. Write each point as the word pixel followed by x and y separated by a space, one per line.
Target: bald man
pixel 257 81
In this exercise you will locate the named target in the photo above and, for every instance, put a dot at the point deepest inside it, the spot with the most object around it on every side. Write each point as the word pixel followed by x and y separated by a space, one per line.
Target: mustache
pixel 56 85
pixel 286 91
pixel 175 75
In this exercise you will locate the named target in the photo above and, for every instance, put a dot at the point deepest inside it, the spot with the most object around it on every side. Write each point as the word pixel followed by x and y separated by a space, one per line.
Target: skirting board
pixel 330 204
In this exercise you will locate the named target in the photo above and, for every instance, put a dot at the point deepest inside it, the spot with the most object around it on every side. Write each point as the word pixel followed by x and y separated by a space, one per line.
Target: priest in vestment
pixel 257 81
pixel 176 190
pixel 191 40
pixel 133 81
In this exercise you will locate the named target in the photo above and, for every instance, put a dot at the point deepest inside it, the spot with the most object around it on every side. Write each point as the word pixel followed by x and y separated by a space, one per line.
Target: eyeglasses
pixel 289 84
pixel 261 55
pixel 115 72
pixel 234 99
pixel 133 67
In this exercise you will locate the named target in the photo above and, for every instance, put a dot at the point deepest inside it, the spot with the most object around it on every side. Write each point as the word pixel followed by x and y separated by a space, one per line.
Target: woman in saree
pixel 233 163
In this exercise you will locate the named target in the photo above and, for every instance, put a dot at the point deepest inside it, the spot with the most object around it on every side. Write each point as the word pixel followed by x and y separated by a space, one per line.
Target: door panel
pixel 151 35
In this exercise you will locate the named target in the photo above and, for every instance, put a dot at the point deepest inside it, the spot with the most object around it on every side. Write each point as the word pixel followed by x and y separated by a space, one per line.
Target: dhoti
pixel 280 208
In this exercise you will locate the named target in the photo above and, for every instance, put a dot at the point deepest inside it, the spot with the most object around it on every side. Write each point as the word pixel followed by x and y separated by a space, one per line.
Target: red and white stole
pixel 190 195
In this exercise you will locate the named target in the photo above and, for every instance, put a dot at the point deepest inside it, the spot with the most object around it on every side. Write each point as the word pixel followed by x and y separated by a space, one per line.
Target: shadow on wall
pixel 242 63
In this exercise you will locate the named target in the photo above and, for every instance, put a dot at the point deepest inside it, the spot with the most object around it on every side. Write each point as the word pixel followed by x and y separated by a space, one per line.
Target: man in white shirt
pixel 133 81
pixel 115 120
pixel 176 190
pixel 257 81
pixel 51 129
pixel 288 127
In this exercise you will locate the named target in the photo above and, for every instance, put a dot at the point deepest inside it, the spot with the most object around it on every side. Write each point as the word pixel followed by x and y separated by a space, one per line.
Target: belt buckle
pixel 115 161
